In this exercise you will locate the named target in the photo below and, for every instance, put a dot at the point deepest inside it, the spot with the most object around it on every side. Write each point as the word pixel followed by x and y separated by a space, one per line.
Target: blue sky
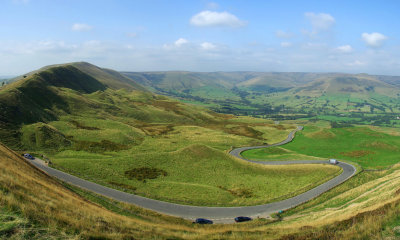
pixel 154 35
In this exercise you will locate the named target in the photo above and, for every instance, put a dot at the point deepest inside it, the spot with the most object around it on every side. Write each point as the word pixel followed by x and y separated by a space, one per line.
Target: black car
pixel 203 221
pixel 28 156
pixel 242 219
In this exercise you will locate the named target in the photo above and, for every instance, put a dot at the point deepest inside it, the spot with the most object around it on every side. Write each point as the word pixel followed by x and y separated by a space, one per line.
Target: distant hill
pixel 110 78
pixel 258 93
pixel 184 81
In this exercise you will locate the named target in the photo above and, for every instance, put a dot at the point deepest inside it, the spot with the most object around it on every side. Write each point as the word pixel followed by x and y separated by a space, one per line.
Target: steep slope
pixel 110 78
pixel 107 77
pixel 73 89
pixel 50 211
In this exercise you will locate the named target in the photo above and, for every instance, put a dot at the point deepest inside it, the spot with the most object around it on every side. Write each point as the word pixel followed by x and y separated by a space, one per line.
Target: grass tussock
pixel 240 192
pixel 357 153
pixel 156 130
pixel 123 186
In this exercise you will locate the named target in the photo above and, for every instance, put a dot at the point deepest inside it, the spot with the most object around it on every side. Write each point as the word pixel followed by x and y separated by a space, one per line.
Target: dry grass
pixel 357 153
pixel 48 203
pixel 322 134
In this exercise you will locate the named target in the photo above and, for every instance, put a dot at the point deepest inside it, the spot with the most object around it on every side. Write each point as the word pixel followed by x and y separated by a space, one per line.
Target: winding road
pixel 218 214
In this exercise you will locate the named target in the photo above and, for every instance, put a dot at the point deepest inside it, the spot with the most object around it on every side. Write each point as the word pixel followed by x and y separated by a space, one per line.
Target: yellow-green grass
pixel 116 131
pixel 369 147
pixel 58 213
pixel 275 154
pixel 196 174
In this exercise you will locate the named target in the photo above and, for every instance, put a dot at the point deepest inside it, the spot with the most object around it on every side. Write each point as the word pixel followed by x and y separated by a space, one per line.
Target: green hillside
pixel 361 98
pixel 83 120
pixel 99 125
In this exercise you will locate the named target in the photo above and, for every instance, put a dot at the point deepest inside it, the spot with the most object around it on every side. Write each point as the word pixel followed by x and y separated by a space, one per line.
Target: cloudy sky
pixel 227 35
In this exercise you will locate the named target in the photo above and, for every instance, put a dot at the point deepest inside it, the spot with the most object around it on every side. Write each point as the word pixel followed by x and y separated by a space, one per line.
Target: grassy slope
pixel 176 144
pixel 369 147
pixel 99 133
pixel 41 202
pixel 36 206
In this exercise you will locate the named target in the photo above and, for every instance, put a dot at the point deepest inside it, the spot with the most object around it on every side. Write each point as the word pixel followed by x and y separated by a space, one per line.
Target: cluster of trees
pixel 335 124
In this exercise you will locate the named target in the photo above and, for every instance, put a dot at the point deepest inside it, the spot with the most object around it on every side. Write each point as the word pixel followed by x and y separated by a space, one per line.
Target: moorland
pixel 116 129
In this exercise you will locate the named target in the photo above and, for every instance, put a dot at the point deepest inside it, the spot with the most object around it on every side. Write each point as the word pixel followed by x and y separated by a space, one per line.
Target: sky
pixel 200 35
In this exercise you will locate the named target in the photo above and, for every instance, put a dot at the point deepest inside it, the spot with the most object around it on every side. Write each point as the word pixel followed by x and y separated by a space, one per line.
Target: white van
pixel 333 161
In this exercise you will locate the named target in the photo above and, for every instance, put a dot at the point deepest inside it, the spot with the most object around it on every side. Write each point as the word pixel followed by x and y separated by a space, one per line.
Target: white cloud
pixel 208 46
pixel 356 63
pixel 344 49
pixel 180 42
pixel 286 44
pixel 212 19
pixel 177 44
pixel 374 39
pixel 320 21
pixel 81 27
pixel 283 34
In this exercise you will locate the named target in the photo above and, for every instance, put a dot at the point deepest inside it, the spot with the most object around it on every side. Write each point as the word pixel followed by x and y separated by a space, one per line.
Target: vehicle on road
pixel 242 219
pixel 28 156
pixel 333 161
pixel 203 221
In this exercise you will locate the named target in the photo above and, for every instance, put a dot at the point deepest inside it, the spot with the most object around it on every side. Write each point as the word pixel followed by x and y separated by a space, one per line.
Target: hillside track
pixel 218 214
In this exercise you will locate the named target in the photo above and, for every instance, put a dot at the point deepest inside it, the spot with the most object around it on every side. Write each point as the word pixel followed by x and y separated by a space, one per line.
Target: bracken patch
pixel 144 173
pixel 245 131
pixel 99 147
pixel 81 126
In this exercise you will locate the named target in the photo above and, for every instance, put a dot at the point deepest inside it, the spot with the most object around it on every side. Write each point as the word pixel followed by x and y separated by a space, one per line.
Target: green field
pixel 369 147
pixel 197 169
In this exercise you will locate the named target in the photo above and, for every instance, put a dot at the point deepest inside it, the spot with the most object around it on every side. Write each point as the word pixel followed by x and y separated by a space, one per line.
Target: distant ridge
pixel 263 93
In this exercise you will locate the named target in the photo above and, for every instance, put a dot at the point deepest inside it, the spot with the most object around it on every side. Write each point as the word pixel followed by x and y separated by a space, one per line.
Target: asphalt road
pixel 218 214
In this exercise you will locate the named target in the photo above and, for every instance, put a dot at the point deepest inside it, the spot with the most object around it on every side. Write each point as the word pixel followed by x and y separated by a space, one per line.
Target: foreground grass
pixel 32 197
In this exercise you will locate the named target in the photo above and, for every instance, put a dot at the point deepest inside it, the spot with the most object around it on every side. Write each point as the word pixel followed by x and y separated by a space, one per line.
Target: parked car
pixel 242 219
pixel 28 156
pixel 333 161
pixel 203 221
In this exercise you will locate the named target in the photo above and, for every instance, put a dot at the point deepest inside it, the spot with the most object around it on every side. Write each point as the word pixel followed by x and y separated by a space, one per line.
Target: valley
pixel 199 120
pixel 103 126
pixel 360 99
